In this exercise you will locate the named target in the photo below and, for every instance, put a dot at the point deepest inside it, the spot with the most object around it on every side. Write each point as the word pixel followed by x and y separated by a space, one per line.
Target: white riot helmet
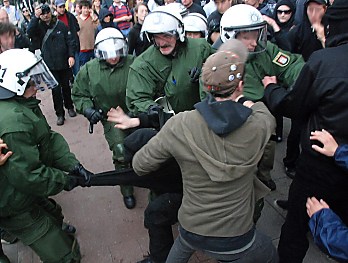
pixel 110 43
pixel 195 22
pixel 164 19
pixel 18 67
pixel 243 18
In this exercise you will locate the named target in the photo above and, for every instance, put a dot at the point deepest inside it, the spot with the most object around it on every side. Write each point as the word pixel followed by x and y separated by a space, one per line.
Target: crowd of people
pixel 191 90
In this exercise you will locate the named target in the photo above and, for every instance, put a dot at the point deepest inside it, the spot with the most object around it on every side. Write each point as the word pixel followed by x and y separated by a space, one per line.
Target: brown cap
pixel 222 71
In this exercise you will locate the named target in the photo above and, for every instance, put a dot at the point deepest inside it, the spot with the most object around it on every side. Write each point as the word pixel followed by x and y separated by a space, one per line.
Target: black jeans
pixel 159 217
pixel 62 94
pixel 293 144
pixel 293 243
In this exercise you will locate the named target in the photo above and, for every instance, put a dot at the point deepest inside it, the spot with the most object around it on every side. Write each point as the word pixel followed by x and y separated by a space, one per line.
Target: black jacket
pixel 319 98
pixel 74 28
pixel 135 43
pixel 302 39
pixel 58 47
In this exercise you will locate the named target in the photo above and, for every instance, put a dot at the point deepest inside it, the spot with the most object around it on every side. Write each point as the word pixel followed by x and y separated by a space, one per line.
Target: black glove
pixel 78 176
pixel 93 115
pixel 194 74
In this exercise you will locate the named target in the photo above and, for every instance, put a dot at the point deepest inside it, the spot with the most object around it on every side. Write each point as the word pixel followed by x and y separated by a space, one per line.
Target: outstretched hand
pixel 313 205
pixel 329 144
pixel 4 157
pixel 122 120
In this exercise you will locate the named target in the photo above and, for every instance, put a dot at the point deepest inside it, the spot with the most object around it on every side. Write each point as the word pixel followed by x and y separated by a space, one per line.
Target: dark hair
pixel 85 3
pixel 77 2
pixel 7 28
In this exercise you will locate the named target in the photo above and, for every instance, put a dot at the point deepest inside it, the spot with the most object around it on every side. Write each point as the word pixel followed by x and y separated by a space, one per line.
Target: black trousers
pixel 293 144
pixel 159 216
pixel 62 94
pixel 293 243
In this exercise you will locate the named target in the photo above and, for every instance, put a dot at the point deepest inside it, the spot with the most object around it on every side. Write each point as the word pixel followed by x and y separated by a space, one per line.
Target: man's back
pixel 218 169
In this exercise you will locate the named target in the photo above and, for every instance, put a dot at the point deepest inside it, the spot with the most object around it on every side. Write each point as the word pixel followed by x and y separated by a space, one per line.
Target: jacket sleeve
pixel 341 156
pixel 70 41
pixel 33 29
pixel 140 90
pixel 286 66
pixel 26 170
pixel 330 233
pixel 151 156
pixel 296 102
pixel 80 93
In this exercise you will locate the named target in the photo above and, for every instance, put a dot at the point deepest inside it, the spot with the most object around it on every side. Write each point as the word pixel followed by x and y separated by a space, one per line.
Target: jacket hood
pixel 222 117
pixel 103 13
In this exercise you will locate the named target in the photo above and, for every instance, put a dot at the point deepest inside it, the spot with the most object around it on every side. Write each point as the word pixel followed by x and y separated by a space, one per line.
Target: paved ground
pixel 107 231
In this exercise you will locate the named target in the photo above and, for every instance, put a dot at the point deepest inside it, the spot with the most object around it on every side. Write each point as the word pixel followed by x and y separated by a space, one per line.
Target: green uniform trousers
pixel 40 227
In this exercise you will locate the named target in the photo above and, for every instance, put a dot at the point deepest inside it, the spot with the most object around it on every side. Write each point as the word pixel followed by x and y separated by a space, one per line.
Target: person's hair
pixel 85 3
pixel 77 2
pixel 136 8
pixel 7 28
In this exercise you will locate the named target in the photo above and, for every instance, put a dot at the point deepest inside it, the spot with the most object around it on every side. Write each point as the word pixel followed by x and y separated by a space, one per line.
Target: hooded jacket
pixel 302 39
pixel 102 14
pixel 319 99
pixel 217 147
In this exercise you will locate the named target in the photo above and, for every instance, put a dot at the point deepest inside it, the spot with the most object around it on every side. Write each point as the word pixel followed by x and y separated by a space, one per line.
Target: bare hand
pixel 323 136
pixel 4 157
pixel 313 205
pixel 271 22
pixel 122 120
pixel 71 62
pixel 319 31
pixel 269 80
pixel 38 11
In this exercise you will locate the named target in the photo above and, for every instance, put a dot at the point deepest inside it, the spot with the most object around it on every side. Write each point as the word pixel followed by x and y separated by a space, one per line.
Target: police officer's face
pixel 165 42
pixel 31 90
pixel 193 34
pixel 113 61
pixel 249 39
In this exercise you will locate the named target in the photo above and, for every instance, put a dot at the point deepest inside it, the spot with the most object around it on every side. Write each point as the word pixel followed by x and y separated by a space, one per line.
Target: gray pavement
pixel 106 230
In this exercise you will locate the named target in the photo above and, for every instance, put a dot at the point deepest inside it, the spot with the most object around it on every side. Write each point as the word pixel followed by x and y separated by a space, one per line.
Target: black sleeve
pixel 132 39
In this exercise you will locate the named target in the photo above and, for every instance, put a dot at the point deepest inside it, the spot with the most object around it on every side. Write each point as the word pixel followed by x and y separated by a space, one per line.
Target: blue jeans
pixel 76 67
pixel 261 251
pixel 84 57
pixel 125 32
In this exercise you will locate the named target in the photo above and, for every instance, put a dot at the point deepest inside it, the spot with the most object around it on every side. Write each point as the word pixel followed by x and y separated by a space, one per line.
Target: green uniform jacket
pixel 153 75
pixel 272 62
pixel 102 87
pixel 40 156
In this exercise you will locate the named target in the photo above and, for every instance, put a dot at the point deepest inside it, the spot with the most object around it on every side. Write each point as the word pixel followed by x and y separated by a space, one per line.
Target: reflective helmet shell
pixel 239 18
pixel 195 22
pixel 164 19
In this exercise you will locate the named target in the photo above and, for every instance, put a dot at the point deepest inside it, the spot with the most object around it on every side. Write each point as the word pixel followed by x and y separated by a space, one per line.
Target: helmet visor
pixel 42 76
pixel 111 48
pixel 255 38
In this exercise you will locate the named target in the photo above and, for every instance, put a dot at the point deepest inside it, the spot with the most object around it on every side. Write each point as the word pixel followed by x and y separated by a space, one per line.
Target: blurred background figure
pixel 138 45
pixel 12 12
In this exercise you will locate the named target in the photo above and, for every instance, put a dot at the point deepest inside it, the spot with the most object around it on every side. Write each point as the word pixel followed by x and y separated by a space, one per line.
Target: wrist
pixel 134 122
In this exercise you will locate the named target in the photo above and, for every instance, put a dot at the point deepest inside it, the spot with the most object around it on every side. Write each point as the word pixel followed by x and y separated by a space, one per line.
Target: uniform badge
pixel 281 59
